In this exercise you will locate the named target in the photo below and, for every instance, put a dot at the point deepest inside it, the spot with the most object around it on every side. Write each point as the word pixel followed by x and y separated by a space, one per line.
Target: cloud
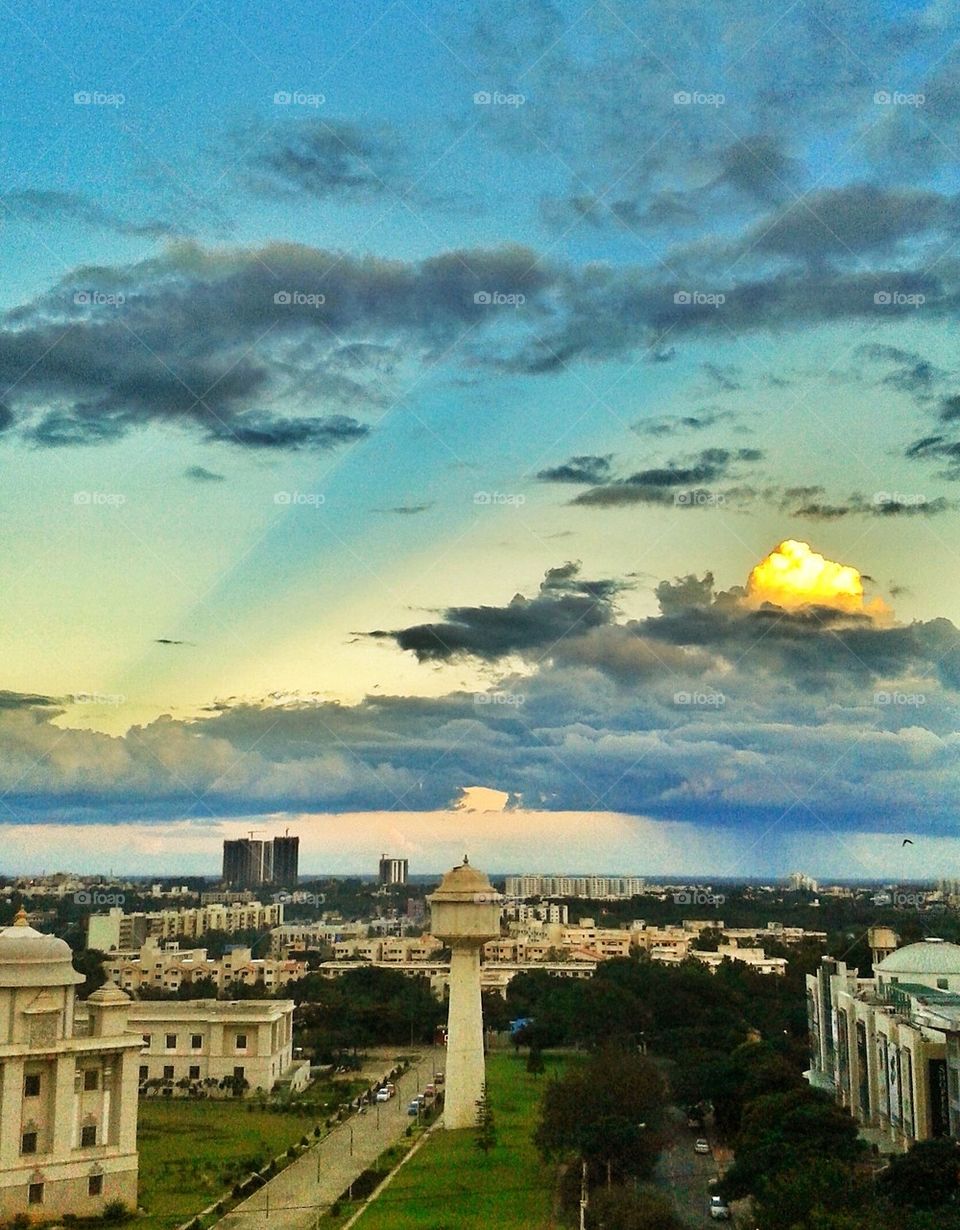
pixel 676 482
pixel 668 425
pixel 240 345
pixel 44 205
pixel 714 711
pixel 881 504
pixel 565 603
pixel 585 468
pixel 325 158
pixel 200 474
pixel 406 510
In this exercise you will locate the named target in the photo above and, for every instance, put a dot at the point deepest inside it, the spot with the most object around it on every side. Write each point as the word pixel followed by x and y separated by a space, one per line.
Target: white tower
pixel 465 914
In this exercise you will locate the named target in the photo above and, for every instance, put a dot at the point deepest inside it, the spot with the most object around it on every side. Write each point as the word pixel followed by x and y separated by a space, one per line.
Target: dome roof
pixel 30 958
pixel 930 956
pixel 465 883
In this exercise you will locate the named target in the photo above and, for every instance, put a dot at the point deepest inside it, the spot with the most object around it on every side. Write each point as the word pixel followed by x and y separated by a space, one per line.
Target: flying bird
pixel 906 842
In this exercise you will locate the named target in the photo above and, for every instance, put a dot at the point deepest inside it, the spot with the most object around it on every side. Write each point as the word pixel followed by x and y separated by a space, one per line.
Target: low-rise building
pixel 246 1041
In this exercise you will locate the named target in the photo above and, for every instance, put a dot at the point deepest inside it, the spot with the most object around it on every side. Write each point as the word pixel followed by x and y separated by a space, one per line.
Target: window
pixel 238 1073
pixel 144 1073
pixel 91 1079
pixel 194 1072
pixel 88 1136
pixel 28 1142
pixel 168 1072
pixel 31 1085
pixel 35 1193
pixel 196 1042
pixel 241 1042
pixel 146 1039
pixel 95 1185
pixel 171 1042
pixel 941 984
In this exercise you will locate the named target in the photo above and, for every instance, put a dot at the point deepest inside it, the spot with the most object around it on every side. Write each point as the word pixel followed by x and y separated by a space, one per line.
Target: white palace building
pixel 68 1101
pixel 888 1047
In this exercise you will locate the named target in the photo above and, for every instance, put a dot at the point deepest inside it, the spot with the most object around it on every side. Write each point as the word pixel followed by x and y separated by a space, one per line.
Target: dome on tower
pixel 465 883
pixel 28 958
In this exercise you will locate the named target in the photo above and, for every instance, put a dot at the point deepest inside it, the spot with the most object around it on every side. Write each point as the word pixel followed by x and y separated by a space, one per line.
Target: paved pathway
pixel 292 1199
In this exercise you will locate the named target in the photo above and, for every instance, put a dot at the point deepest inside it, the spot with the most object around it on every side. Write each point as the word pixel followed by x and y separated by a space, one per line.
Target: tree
pixel 486 1137
pixel 783 1132
pixel 626 1208
pixel 817 1194
pixel 926 1177
pixel 535 1062
pixel 89 962
pixel 608 1111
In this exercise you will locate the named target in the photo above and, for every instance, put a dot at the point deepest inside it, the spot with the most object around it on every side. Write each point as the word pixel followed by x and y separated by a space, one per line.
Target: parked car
pixel 702 1146
pixel 430 1090
pixel 719 1209
pixel 438 1079
pixel 413 1108
pixel 384 1095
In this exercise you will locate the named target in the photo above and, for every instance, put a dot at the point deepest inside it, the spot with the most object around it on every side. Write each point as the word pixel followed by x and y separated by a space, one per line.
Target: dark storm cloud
pixel 324 158
pixel 566 603
pixel 48 206
pixel 586 468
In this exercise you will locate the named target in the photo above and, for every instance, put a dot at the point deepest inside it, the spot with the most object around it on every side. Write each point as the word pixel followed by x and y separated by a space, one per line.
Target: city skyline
pixel 529 428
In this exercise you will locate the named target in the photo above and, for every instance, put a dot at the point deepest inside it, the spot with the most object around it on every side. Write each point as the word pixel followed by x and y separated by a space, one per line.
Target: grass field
pixel 450 1185
pixel 191 1153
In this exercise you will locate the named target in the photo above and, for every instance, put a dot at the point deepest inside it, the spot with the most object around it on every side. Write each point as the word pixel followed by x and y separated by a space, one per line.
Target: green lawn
pixel 191 1152
pixel 450 1185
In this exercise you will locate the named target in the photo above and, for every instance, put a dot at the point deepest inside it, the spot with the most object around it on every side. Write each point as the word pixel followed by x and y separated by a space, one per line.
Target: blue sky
pixel 363 366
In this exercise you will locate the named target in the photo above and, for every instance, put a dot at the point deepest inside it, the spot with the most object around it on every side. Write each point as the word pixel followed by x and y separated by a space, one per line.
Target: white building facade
pixel 68 1097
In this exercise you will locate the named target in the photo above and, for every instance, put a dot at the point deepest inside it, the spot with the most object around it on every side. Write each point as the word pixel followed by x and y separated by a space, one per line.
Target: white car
pixel 383 1095
pixel 702 1146
pixel 719 1209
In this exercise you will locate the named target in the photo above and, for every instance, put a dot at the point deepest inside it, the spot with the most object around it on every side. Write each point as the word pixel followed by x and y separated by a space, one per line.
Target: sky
pixel 402 408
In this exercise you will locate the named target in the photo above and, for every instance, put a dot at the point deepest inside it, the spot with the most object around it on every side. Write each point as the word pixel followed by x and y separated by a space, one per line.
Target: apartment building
pixel 169 967
pixel 307 937
pixel 594 887
pixel 68 1095
pixel 116 930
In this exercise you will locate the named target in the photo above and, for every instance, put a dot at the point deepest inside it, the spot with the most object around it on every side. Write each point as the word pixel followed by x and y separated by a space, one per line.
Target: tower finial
pixel 21 918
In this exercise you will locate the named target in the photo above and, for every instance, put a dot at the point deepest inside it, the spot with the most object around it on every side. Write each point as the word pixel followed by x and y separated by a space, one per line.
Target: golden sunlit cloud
pixel 793 575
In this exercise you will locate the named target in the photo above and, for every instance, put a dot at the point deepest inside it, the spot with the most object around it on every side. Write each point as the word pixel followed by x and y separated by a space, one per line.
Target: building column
pixel 465 1071
pixel 66 1130
pixel 11 1103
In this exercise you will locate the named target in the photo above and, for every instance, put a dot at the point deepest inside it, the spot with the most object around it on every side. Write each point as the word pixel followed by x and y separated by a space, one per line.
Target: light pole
pixel 351 1138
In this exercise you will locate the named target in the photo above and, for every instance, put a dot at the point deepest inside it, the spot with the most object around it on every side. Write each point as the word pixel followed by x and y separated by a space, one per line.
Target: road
pixel 686 1174
pixel 291 1200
